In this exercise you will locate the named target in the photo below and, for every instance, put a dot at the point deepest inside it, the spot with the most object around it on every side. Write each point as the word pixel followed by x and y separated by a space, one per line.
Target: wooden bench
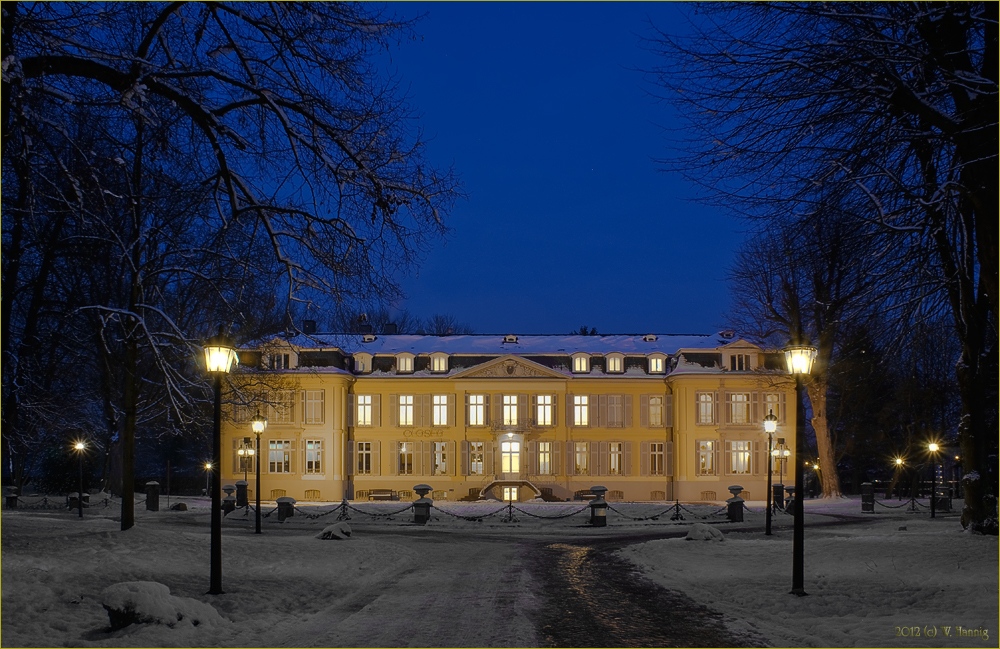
pixel 382 494
pixel 584 494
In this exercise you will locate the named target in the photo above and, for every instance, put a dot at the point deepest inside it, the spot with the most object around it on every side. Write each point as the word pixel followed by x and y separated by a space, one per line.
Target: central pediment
pixel 510 366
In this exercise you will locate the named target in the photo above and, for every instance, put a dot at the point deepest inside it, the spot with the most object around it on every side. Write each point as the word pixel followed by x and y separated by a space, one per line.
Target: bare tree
pixel 893 106
pixel 294 153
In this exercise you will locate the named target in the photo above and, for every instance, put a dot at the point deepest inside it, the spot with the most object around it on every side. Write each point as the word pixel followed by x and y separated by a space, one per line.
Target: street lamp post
pixel 220 356
pixel 246 453
pixel 770 426
pixel 208 477
pixel 781 454
pixel 257 425
pixel 799 359
pixel 80 447
pixel 933 448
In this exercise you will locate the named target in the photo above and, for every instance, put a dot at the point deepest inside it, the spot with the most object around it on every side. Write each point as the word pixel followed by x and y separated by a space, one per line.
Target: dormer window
pixel 439 362
pixel 740 363
pixel 362 363
pixel 278 361
pixel 404 363
pixel 656 364
pixel 615 364
pixel 581 363
pixel 510 338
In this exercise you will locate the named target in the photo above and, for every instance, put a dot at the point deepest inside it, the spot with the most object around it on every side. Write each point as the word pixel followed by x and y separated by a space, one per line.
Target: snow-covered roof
pixel 494 343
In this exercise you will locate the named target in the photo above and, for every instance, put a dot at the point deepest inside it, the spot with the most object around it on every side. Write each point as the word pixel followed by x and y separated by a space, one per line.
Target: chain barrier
pixel 912 503
pixel 582 509
pixel 475 518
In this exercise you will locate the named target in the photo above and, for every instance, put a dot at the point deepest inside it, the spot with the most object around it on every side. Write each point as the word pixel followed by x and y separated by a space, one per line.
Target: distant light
pixel 770 422
pixel 899 461
pixel 208 466
pixel 932 447
pixel 80 446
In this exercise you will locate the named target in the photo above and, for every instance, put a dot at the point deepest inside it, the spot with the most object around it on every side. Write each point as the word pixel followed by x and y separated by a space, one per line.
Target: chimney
pixel 364 328
pixel 308 327
pixel 390 328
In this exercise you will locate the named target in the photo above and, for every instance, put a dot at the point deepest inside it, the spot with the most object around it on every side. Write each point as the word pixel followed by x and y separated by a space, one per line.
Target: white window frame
pixel 404 364
pixel 510 456
pixel 313 406
pixel 581 458
pixel 544 458
pixel 510 410
pixel 439 456
pixel 772 403
pixel 616 411
pixel 739 454
pixel 405 407
pixel 406 458
pixel 740 363
pixel 439 410
pixel 439 363
pixel 615 363
pixel 364 461
pixel 581 364
pixel 363 410
pixel 314 457
pixel 279 456
pixel 616 458
pixel 739 408
pixel 281 408
pixel 704 408
pixel 477 458
pixel 705 457
pixel 656 365
pixel 279 361
pixel 477 410
pixel 657 458
pixel 543 409
pixel 581 410
pixel 655 414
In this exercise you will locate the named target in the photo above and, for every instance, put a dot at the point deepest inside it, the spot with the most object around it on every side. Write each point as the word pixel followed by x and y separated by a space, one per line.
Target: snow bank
pixel 150 602
pixel 336 531
pixel 703 532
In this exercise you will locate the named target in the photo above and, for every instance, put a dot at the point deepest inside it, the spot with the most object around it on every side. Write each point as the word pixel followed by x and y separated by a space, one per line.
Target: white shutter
pixel 644 410
pixel 350 457
pixel 668 458
pixel 531 455
pixel 522 409
pixel 465 457
pixel 352 405
pixel 643 458
pixel 668 410
pixel 377 410
pixel 627 459
pixel 394 410
pixel 489 448
pixel 602 417
pixel 627 405
pixel 597 452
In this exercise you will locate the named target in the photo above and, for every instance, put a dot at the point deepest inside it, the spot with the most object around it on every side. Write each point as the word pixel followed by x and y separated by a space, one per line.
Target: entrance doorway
pixel 510 458
pixel 510 494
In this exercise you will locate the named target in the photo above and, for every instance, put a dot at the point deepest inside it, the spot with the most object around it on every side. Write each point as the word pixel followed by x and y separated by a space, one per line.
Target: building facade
pixel 650 417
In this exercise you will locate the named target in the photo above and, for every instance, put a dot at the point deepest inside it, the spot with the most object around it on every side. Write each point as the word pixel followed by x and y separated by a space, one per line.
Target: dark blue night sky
pixel 544 112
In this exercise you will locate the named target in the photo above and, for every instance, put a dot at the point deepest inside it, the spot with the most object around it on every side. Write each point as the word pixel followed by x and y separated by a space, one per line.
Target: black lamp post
pixel 933 449
pixel 258 424
pixel 220 356
pixel 770 426
pixel 799 359
pixel 80 448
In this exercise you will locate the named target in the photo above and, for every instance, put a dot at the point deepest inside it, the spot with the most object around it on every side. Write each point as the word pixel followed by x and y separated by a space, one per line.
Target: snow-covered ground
pixel 870 583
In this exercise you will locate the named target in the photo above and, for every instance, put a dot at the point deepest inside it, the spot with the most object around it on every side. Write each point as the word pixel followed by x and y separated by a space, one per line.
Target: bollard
pixel 152 496
pixel 943 499
pixel 241 493
pixel 778 495
pixel 598 507
pixel 734 505
pixel 228 504
pixel 422 505
pixel 286 507
pixel 10 497
pixel 73 500
pixel 867 497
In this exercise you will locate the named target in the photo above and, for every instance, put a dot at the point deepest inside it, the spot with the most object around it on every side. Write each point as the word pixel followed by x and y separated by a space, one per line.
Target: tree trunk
pixel 828 476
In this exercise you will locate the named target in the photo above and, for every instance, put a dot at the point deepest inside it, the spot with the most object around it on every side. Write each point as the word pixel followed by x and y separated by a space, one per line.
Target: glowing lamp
pixel 220 354
pixel 799 358
pixel 770 422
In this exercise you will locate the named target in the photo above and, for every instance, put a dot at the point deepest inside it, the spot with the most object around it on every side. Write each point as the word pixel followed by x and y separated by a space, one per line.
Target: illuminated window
pixel 656 365
pixel 476 410
pixel 440 409
pixel 739 362
pixel 772 403
pixel 510 456
pixel 739 408
pixel 314 456
pixel 581 364
pixel 364 410
pixel 706 457
pixel 510 494
pixel 581 410
pixel 404 363
pixel 278 361
pixel 406 410
pixel 439 363
pixel 738 454
pixel 280 406
pixel 510 410
pixel 614 363
pixel 543 410
pixel 706 407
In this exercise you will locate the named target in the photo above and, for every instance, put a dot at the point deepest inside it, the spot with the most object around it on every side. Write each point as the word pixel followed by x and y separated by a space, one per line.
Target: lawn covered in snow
pixel 869 582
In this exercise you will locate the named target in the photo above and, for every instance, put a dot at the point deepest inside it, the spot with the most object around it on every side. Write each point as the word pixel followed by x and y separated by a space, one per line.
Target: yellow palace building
pixel 515 417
